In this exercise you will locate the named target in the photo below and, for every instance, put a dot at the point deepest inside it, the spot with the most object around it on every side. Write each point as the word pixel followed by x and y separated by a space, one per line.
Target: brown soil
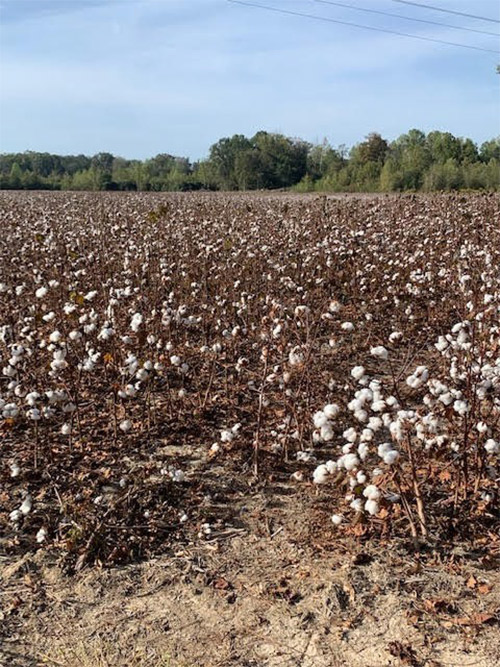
pixel 263 590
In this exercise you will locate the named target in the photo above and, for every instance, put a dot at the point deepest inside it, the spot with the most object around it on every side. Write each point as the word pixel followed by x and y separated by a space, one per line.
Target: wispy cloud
pixel 134 74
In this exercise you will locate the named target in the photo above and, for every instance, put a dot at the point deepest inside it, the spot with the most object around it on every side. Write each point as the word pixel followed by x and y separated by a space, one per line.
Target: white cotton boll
pixel 348 327
pixel 375 423
pixel 360 477
pixel 296 356
pixel 358 372
pixel 75 335
pixel 326 432
pixel 492 447
pixel 136 322
pixel 395 336
pixel 376 472
pixel 366 435
pixel 142 374
pixel 363 450
pixel 34 414
pixel 461 407
pixel 380 352
pixel 361 415
pixel 26 506
pixel 175 360
pixel 331 410
pixel 15 516
pixel 446 399
pixel 371 506
pixel 320 474
pixel 351 461
pixel 125 425
pixel 389 458
pixel 337 519
pixel 41 292
pixel 320 419
pixel 481 427
pixel 357 505
pixel 90 296
pixel 32 398
pixel 55 336
pixel 392 402
pixel 49 317
pixel 182 393
pixel 378 406
pixel 226 436
pixel 41 535
pixel 350 434
pixel 334 306
pixel 442 344
pixel 178 476
pixel 371 492
pixel 66 429
pixel 331 466
pixel 15 470
pixel 297 476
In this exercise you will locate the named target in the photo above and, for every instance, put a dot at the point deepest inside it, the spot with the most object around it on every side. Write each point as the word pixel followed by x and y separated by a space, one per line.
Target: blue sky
pixel 141 77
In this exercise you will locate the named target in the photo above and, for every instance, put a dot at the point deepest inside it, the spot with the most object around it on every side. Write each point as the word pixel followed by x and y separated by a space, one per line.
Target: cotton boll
pixel 395 336
pixel 326 432
pixel 41 536
pixel 331 410
pixel 26 506
pixel 380 352
pixel 492 447
pixel 226 436
pixel 15 516
pixel 351 461
pixel 358 372
pixel 55 336
pixel 320 419
pixel 371 506
pixel 66 429
pixel 361 415
pixel 360 477
pixel 178 476
pixel 337 519
pixel 136 322
pixel 357 505
pixel 371 492
pixel 363 450
pixel 375 423
pixel 348 327
pixel 331 466
pixel 391 457
pixel 41 292
pixel 297 476
pixel 125 425
pixel 320 474
pixel 15 470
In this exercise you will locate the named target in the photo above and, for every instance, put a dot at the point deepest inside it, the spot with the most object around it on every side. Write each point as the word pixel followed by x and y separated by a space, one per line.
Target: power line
pixel 357 25
pixel 406 18
pixel 447 11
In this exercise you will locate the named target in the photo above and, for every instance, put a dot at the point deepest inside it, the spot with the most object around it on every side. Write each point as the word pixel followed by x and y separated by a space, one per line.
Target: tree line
pixel 414 161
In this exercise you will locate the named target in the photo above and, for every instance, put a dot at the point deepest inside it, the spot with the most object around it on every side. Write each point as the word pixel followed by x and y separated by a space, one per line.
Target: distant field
pixel 288 404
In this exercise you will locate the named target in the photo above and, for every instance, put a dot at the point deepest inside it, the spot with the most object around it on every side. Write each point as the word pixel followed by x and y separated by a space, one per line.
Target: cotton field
pixel 155 346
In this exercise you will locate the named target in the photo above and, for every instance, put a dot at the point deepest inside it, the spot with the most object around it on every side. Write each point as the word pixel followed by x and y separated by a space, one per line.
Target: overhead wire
pixel 447 11
pixel 406 18
pixel 291 12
